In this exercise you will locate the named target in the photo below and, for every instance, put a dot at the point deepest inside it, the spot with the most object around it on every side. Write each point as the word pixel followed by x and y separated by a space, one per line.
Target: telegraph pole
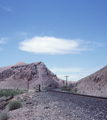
pixel 66 79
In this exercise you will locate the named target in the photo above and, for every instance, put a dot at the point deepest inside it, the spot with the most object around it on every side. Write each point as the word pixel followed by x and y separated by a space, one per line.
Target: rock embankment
pixel 59 106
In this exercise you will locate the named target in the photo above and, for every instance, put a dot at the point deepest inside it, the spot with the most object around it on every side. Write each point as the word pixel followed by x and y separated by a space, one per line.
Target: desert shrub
pixel 14 104
pixel 74 90
pixel 83 92
pixel 44 88
pixel 4 116
pixel 64 88
pixel 36 89
pixel 70 89
pixel 25 98
pixel 2 98
pixel 8 92
pixel 21 100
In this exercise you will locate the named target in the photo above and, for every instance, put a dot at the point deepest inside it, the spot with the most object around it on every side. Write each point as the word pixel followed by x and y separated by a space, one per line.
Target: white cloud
pixel 98 44
pixel 52 45
pixel 74 74
pixel 63 70
pixel 21 34
pixel 6 9
pixel 3 40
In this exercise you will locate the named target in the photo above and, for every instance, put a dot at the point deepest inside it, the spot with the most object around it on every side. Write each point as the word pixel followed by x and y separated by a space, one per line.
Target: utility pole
pixel 42 85
pixel 66 80
pixel 28 85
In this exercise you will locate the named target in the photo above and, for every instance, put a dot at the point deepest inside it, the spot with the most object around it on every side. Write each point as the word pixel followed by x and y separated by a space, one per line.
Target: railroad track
pixel 63 92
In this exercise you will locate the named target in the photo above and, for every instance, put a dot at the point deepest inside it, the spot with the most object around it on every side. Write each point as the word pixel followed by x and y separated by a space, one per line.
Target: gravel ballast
pixel 59 106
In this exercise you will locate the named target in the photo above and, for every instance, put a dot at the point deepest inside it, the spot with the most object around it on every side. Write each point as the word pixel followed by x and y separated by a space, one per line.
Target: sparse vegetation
pixel 2 98
pixel 8 92
pixel 72 90
pixel 4 116
pixel 64 88
pixel 36 89
pixel 24 98
pixel 83 92
pixel 14 104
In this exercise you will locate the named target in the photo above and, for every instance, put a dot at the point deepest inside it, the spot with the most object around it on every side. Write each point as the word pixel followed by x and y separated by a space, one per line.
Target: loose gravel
pixel 59 106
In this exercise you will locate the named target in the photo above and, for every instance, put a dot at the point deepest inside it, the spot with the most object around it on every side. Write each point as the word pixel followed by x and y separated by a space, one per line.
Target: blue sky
pixel 69 36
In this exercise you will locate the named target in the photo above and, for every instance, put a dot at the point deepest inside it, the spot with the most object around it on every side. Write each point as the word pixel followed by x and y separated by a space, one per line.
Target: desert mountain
pixel 94 84
pixel 20 74
pixel 7 67
pixel 20 63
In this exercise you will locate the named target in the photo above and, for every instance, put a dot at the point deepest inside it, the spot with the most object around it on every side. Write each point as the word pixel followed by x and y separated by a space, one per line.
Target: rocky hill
pixel 94 84
pixel 7 67
pixel 21 75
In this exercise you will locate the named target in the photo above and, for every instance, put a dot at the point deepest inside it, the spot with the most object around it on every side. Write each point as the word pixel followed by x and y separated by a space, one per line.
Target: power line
pixel 97 64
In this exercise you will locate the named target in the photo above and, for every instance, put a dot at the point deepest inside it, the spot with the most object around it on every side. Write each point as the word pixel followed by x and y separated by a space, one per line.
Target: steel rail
pixel 79 94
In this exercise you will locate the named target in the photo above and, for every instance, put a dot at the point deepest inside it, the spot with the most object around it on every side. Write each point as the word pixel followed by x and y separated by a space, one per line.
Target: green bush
pixel 8 92
pixel 74 90
pixel 4 116
pixel 2 98
pixel 14 105
pixel 21 100
pixel 64 88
